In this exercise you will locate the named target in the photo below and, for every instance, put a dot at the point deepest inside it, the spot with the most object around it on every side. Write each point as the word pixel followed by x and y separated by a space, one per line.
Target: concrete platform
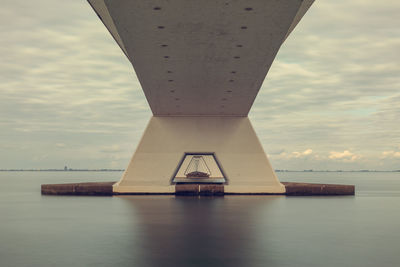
pixel 106 189
pixel 82 189
pixel 306 189
pixel 199 189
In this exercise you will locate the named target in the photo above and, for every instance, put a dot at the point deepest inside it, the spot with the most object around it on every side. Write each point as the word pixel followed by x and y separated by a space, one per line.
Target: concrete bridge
pixel 201 65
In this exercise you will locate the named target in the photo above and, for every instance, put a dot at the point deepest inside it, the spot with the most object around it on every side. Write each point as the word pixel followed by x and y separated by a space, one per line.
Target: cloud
pixel 111 149
pixel 345 156
pixel 391 154
pixel 294 154
pixel 302 154
pixel 333 86
pixel 60 145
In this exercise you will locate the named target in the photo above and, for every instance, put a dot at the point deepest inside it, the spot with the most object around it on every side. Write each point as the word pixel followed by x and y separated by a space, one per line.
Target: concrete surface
pixel 307 189
pixel 91 189
pixel 232 140
pixel 201 65
pixel 200 58
pixel 105 189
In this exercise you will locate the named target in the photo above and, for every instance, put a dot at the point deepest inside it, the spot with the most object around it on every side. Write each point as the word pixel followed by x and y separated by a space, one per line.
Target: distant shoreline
pixel 120 170
pixel 335 171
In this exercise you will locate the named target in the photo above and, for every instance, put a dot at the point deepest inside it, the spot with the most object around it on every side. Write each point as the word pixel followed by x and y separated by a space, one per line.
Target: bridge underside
pixel 206 58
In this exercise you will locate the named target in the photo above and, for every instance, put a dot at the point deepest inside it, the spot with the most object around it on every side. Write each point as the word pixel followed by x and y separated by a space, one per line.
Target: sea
pixel 361 230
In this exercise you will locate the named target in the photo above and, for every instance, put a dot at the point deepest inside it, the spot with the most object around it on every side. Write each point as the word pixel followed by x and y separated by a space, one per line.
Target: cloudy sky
pixel 68 95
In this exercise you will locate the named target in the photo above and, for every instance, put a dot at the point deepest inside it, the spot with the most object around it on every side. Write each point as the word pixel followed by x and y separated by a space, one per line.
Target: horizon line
pixel 278 170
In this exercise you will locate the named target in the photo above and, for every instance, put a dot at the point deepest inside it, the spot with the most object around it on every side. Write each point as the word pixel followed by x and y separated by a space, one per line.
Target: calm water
pixel 361 230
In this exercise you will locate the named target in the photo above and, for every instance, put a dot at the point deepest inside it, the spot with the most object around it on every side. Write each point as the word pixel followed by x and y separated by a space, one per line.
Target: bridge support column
pixel 232 140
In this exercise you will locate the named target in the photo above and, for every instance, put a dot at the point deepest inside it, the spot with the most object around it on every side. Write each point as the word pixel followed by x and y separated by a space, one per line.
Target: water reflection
pixel 191 231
